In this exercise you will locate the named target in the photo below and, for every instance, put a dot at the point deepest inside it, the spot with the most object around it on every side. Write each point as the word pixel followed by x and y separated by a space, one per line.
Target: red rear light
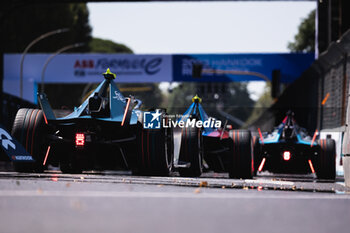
pixel 79 139
pixel 286 155
pixel 261 137
pixel 311 166
pixel 261 166
pixel 47 154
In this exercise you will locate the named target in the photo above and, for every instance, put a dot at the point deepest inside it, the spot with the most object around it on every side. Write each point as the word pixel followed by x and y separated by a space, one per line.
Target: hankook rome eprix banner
pixel 243 67
pixel 131 68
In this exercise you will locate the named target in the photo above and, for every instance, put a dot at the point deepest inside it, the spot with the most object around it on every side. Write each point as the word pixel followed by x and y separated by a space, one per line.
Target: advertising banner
pixel 131 68
pixel 240 67
pixel 84 68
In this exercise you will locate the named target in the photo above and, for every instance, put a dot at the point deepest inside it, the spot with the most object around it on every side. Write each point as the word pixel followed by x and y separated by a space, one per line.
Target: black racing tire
pixel 326 159
pixel 170 147
pixel 30 130
pixel 256 153
pixel 191 152
pixel 155 151
pixel 241 160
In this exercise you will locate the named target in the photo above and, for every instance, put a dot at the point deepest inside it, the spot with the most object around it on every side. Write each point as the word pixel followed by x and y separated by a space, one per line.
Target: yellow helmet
pixel 196 99
pixel 109 75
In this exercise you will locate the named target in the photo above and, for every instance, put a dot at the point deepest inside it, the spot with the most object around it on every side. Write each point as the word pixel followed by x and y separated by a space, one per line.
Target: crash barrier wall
pixel 301 97
pixel 346 140
pixel 319 96
pixel 334 83
pixel 10 106
pixel 346 145
pixel 319 99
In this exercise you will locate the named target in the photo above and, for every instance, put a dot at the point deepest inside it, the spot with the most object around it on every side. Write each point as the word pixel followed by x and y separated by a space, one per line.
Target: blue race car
pixel 289 149
pixel 107 131
pixel 210 143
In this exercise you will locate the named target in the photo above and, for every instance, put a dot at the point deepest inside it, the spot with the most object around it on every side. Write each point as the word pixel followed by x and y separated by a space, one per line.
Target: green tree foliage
pixel 28 21
pixel 180 98
pixel 98 45
pixel 238 102
pixel 149 93
pixel 260 106
pixel 304 41
pixel 25 22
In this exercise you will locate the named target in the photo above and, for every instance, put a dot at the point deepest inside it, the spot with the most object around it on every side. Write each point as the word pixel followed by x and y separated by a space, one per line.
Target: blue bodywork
pixel 117 104
pixel 287 149
pixel 301 137
pixel 196 111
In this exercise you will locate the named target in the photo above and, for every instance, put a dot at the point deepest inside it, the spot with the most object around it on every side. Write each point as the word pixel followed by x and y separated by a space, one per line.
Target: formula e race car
pixel 105 132
pixel 205 141
pixel 11 149
pixel 289 149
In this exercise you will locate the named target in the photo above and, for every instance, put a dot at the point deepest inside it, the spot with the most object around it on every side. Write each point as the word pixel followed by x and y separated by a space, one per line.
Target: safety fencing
pixel 319 97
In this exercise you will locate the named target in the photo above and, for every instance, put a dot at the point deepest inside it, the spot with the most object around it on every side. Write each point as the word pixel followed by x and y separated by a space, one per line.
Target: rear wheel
pixel 191 152
pixel 241 161
pixel 30 130
pixel 326 159
pixel 155 151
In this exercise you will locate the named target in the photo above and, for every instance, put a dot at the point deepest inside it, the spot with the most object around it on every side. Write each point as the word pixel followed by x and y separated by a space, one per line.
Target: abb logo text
pixel 84 64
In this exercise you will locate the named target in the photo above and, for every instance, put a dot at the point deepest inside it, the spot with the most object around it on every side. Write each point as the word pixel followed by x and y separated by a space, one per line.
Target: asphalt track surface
pixel 120 202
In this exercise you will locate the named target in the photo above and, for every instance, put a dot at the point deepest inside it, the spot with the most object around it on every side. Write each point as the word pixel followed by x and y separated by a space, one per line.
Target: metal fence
pixel 334 83
pixel 319 96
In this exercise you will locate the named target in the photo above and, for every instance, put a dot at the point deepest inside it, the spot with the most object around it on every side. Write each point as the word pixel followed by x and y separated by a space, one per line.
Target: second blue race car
pixel 289 149
pixel 217 147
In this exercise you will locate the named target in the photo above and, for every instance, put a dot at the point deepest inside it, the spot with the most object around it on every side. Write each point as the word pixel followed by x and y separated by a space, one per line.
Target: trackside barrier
pixel 319 99
pixel 346 146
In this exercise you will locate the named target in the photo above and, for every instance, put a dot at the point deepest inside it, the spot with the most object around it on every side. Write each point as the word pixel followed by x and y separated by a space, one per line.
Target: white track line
pixel 275 182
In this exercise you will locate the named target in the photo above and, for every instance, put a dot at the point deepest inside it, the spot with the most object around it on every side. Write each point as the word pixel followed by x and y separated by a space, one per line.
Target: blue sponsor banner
pixel 131 68
pixel 241 67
